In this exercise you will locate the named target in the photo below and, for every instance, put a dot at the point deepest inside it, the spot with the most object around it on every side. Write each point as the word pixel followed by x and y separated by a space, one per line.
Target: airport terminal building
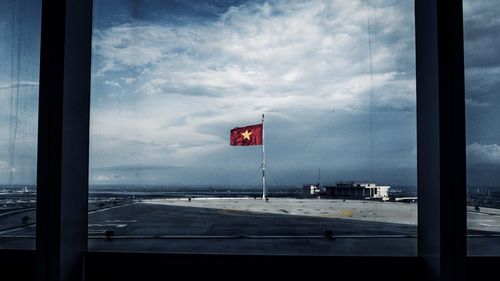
pixel 357 190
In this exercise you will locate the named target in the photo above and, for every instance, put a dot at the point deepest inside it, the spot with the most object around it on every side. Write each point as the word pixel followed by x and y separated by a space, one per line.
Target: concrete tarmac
pixel 248 226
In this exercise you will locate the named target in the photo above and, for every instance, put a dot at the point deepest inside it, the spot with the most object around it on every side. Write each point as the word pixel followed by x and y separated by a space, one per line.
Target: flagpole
pixel 264 191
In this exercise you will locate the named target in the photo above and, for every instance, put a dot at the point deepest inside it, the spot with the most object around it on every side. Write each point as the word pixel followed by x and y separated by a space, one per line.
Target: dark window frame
pixel 62 182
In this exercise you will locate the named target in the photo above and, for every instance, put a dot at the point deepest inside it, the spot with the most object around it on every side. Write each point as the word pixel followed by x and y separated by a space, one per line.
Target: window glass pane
pixel 19 68
pixel 336 83
pixel 482 82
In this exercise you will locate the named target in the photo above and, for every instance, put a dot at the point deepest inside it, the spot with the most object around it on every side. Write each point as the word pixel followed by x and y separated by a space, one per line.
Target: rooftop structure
pixel 311 190
pixel 357 190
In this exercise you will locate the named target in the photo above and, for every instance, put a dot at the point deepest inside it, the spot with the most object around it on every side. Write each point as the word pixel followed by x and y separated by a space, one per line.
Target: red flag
pixel 249 135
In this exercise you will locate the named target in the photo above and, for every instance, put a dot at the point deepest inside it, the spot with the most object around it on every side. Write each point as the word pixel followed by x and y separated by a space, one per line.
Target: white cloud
pixel 107 178
pixel 313 48
pixel 112 83
pixel 20 84
pixel 473 103
pixel 483 153
pixel 169 86
pixel 6 168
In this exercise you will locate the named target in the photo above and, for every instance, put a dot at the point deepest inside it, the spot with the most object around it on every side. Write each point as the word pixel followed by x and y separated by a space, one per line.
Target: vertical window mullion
pixel 63 139
pixel 441 138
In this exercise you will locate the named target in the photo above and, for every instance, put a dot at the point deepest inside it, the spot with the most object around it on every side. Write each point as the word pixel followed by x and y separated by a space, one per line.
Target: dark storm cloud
pixel 482 81
pixel 481 33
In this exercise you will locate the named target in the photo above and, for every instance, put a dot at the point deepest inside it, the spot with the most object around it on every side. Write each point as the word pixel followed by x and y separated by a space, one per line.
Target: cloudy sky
pixel 19 68
pixel 482 73
pixel 335 79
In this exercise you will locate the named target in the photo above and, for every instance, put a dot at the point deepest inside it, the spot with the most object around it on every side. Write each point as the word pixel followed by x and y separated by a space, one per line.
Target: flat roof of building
pixel 253 226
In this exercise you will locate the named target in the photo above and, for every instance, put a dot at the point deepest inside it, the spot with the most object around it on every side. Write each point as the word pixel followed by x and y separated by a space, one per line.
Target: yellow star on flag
pixel 246 135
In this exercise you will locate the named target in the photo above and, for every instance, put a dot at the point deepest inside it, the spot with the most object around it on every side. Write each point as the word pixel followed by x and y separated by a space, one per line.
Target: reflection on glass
pixel 19 54
pixel 482 81
pixel 336 83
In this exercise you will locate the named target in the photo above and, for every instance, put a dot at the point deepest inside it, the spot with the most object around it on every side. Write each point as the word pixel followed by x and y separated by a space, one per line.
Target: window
pixel 482 65
pixel 19 52
pixel 442 233
pixel 336 83
pixel 441 237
